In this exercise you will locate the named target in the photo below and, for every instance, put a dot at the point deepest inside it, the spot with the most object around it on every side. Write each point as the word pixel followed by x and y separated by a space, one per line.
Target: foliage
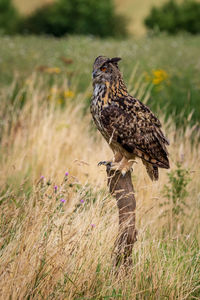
pixel 173 17
pixel 175 193
pixel 168 67
pixel 58 222
pixel 77 17
pixel 8 17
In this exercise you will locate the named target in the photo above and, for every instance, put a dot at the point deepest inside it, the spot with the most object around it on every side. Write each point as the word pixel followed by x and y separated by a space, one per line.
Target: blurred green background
pixel 135 11
pixel 158 40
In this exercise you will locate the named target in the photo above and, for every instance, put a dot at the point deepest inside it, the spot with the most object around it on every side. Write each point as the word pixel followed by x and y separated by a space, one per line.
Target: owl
pixel 129 127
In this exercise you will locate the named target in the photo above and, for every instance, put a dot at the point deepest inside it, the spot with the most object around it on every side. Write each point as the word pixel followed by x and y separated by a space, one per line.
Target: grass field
pixel 58 222
pixel 170 67
pixel 58 230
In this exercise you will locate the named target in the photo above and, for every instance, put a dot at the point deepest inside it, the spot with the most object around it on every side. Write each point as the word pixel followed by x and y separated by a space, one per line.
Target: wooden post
pixel 122 188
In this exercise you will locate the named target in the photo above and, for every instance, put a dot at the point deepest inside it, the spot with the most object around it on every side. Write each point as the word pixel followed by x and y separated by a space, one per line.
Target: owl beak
pixel 94 74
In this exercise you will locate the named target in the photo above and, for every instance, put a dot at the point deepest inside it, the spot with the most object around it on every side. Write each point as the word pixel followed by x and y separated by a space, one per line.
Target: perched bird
pixel 129 126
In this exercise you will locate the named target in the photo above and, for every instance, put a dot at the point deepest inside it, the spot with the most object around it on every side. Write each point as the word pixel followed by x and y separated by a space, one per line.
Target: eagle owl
pixel 129 126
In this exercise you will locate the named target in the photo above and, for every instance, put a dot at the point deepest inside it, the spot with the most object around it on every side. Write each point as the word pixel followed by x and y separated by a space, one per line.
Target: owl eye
pixel 103 69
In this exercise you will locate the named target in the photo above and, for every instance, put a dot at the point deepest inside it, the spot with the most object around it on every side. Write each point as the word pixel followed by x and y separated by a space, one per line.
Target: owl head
pixel 105 69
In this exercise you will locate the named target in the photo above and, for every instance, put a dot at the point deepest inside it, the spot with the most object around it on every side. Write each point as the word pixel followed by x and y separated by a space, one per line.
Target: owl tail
pixel 152 170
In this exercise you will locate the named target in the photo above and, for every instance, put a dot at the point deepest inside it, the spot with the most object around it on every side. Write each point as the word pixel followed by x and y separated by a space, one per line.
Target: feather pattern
pixel 129 126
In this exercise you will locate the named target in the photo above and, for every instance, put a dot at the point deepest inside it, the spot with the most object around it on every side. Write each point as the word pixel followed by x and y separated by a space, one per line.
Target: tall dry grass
pixel 57 242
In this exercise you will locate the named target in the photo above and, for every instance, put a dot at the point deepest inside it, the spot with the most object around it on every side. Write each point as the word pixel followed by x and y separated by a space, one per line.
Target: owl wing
pixel 137 130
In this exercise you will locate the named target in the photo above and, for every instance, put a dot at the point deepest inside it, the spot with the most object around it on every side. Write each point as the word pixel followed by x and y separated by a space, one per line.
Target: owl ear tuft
pixel 115 59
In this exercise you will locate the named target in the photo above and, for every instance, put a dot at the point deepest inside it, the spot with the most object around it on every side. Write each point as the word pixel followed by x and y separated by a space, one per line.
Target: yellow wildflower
pixel 69 94
pixel 159 76
pixel 53 70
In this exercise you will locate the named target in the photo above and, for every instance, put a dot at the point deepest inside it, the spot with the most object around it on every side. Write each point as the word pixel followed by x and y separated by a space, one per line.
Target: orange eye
pixel 103 69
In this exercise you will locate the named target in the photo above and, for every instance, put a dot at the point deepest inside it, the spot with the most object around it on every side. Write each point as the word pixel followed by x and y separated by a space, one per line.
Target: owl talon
pixel 123 172
pixel 104 163
pixel 123 166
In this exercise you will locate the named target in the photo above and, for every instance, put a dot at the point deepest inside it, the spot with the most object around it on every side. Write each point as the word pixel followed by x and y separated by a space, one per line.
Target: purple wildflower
pixel 93 225
pixel 82 200
pixel 42 177
pixel 66 173
pixel 55 188
pixel 62 200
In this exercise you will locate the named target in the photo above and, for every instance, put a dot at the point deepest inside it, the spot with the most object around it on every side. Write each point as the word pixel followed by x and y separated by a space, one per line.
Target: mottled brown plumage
pixel 129 126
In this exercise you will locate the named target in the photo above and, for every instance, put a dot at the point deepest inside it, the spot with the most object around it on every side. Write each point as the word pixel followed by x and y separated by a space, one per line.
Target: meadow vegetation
pixel 169 67
pixel 64 17
pixel 174 17
pixel 58 221
pixel 135 11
